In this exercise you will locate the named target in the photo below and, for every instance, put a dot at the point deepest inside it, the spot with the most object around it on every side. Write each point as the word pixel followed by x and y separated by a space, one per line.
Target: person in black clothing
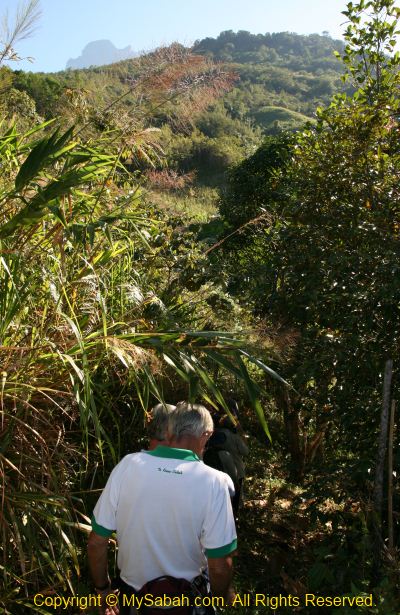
pixel 225 452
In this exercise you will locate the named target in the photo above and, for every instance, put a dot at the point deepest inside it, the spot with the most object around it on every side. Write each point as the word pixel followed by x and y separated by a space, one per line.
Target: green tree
pixel 330 249
pixel 99 316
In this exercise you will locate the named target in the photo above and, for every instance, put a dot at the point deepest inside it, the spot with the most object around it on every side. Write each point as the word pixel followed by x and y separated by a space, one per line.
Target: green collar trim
pixel 173 453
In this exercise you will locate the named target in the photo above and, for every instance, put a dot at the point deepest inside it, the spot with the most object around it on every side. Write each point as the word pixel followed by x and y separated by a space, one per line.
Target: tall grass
pixel 84 353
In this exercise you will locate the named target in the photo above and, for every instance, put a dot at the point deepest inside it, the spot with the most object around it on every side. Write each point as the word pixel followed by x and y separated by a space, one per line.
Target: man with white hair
pixel 172 515
pixel 157 425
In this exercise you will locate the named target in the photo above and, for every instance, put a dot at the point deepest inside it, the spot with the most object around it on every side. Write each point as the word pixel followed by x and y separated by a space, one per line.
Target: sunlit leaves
pixel 82 326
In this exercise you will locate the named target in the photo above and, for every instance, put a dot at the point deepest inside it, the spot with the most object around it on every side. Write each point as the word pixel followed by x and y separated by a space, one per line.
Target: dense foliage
pixel 280 80
pixel 104 310
pixel 111 299
pixel 313 245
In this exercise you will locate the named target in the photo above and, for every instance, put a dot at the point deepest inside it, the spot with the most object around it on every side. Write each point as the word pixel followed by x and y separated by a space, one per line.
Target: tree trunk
pixel 292 427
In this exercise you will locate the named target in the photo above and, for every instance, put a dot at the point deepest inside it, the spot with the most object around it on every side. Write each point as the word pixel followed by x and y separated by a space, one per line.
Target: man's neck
pixel 189 443
pixel 153 443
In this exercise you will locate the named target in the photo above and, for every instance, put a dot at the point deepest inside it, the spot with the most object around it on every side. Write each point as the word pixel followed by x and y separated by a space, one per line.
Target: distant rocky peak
pixel 99 53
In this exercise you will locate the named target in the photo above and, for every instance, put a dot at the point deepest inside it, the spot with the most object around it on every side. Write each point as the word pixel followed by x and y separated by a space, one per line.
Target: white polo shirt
pixel 170 512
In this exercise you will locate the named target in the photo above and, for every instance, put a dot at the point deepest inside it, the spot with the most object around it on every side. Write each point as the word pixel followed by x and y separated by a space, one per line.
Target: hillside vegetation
pixel 278 82
pixel 200 224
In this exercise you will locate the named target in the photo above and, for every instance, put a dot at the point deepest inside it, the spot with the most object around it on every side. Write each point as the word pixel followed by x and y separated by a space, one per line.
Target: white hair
pixel 189 420
pixel 158 423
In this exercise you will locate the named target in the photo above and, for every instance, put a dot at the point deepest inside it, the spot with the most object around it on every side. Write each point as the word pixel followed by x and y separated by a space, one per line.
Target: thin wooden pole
pixel 390 476
pixel 382 444
pixel 379 473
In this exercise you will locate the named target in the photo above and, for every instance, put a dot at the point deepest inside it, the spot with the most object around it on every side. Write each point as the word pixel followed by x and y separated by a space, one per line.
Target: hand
pixel 230 597
pixel 108 601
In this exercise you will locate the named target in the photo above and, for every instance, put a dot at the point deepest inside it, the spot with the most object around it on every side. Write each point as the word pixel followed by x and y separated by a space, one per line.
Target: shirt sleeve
pixel 231 486
pixel 219 532
pixel 104 514
pixel 242 446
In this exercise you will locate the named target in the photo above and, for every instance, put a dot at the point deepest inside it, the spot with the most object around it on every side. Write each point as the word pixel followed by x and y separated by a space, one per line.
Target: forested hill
pixel 279 81
pixel 135 270
pixel 283 77
pixel 281 74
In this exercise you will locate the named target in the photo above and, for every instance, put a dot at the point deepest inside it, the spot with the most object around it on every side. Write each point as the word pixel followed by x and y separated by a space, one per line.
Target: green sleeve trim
pixel 221 551
pixel 100 530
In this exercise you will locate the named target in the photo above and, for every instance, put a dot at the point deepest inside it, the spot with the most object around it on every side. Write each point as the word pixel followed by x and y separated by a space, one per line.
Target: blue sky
pixel 66 26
